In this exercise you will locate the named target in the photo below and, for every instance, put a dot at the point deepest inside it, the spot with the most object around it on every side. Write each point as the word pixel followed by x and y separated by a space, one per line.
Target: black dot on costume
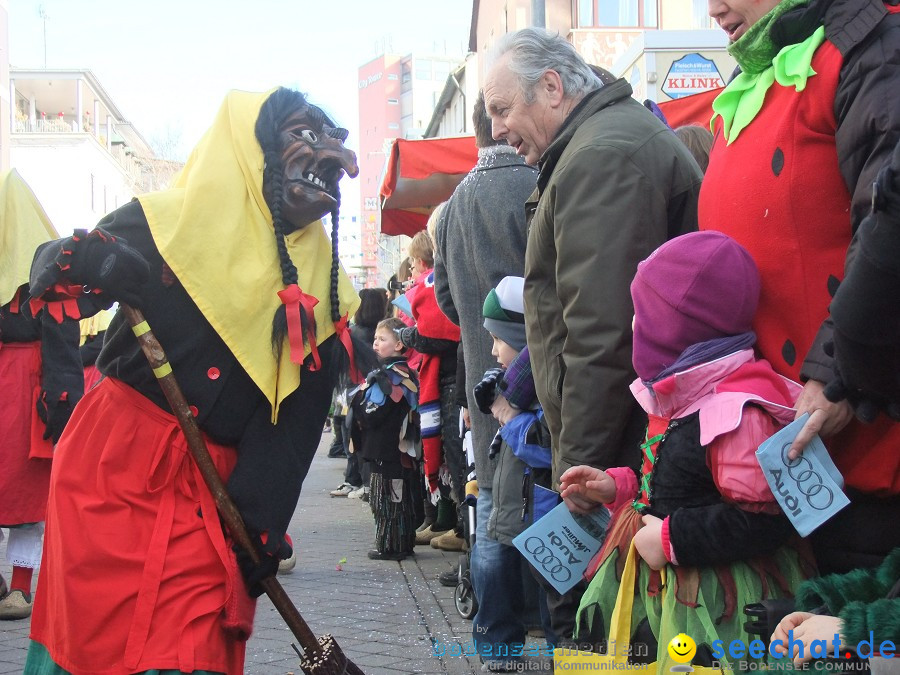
pixel 833 283
pixel 777 161
pixel 789 352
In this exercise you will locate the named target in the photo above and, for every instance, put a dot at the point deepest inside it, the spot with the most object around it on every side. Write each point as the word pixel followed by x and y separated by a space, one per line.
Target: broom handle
pixel 227 509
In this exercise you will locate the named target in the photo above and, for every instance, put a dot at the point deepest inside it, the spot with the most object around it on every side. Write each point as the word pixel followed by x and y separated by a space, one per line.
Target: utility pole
pixel 43 14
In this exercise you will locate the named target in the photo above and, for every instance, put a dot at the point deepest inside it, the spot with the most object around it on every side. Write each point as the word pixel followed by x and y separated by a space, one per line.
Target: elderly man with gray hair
pixel 614 184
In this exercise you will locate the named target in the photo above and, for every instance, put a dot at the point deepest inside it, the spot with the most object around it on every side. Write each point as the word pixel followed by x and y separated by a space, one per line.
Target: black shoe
pixel 375 554
pixel 337 453
pixel 450 578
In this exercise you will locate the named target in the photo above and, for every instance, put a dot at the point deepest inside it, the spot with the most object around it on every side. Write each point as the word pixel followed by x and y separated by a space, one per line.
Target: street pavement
pixel 388 617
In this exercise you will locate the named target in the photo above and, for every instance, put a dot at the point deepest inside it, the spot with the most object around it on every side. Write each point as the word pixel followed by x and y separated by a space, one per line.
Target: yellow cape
pixel 23 227
pixel 214 230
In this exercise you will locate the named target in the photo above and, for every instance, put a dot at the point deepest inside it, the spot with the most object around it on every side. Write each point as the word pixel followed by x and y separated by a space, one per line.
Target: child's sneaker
pixel 360 493
pixel 343 490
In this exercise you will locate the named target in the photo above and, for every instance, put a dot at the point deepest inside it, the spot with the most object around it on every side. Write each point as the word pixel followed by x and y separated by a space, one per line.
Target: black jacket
pixel 273 459
pixel 704 529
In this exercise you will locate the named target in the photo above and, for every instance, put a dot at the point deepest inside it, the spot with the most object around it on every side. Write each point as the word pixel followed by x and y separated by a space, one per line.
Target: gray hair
pixel 534 51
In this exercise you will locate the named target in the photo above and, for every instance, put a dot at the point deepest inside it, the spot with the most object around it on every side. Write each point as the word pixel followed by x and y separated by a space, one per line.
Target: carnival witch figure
pixel 40 376
pixel 138 573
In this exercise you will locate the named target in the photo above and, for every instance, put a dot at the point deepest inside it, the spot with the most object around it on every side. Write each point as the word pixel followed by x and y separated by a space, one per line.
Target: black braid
pixel 276 109
pixel 335 260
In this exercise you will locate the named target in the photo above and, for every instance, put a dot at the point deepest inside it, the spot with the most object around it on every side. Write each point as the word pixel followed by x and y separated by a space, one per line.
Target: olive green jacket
pixel 614 184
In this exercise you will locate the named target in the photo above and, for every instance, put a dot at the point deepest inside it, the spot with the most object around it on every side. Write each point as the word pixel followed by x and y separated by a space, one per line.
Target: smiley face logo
pixel 682 648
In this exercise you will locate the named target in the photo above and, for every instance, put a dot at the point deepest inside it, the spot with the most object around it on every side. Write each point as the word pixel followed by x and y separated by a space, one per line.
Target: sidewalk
pixel 388 617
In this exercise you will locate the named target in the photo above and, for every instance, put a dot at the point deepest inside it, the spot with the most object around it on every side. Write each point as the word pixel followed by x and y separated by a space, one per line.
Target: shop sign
pixel 691 74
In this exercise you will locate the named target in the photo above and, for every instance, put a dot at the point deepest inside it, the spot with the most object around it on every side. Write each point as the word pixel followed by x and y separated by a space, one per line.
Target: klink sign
pixel 691 74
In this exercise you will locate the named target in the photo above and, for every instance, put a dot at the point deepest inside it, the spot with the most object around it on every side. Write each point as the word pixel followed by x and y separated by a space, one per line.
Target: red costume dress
pixel 792 187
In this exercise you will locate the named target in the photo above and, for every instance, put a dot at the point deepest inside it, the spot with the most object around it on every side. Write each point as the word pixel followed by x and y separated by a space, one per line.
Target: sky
pixel 168 64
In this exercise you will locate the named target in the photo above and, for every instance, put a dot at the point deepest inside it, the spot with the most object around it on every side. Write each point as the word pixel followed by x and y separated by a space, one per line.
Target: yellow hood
pixel 23 227
pixel 215 232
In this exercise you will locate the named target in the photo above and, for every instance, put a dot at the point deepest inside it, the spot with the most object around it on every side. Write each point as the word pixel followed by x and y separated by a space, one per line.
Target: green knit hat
pixel 504 311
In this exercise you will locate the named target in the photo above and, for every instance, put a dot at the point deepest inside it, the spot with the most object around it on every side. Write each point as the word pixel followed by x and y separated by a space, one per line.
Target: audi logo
pixel 545 558
pixel 809 482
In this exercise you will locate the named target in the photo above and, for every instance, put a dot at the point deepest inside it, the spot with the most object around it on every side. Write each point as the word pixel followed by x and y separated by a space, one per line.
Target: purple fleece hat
pixel 693 288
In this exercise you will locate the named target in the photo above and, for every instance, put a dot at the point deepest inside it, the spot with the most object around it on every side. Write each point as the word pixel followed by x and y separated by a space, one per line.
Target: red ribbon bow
pixel 343 332
pixel 293 299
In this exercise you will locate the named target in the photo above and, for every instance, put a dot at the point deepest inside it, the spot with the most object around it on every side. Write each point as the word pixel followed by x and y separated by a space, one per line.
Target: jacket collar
pixel 590 105
pixel 672 396
pixel 720 390
pixel 496 157
pixel 847 22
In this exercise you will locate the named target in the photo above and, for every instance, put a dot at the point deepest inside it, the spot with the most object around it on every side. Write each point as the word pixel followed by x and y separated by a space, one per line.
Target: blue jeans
pixel 499 577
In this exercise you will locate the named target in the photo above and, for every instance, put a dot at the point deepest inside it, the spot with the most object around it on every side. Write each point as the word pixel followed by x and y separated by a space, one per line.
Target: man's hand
pixel 502 411
pixel 825 418
pixel 584 488
pixel 648 542
pixel 807 627
pixel 467 419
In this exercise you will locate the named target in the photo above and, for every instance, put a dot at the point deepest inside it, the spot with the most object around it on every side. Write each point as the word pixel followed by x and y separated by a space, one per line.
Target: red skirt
pixel 24 454
pixel 137 573
pixel 91 377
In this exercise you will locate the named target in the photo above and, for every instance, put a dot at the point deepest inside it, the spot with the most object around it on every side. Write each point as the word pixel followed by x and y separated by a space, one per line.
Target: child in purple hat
pixel 708 535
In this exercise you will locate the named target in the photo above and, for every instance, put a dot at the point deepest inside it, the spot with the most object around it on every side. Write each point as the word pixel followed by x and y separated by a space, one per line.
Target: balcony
pixel 69 106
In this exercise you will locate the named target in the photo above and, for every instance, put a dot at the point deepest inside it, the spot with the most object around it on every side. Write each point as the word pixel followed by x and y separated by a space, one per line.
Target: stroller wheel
pixel 464 598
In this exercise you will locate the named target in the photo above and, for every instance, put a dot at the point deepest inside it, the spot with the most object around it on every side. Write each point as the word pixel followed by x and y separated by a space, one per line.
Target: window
pixel 700 12
pixel 585 13
pixel 392 76
pixel 423 69
pixel 616 13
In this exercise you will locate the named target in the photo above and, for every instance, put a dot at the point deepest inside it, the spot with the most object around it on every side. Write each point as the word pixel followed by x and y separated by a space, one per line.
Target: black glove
pixel 110 265
pixel 864 377
pixel 268 565
pixel 97 260
pixel 406 336
pixel 54 415
pixel 486 391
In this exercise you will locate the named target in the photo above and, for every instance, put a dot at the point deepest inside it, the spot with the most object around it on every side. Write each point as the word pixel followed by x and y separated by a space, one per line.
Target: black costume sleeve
pixel 867 111
pixel 722 533
pixel 866 307
pixel 413 339
pixel 19 326
pixel 62 375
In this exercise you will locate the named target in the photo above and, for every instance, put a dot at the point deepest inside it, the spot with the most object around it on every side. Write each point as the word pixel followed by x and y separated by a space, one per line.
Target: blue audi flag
pixel 809 488
pixel 561 544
